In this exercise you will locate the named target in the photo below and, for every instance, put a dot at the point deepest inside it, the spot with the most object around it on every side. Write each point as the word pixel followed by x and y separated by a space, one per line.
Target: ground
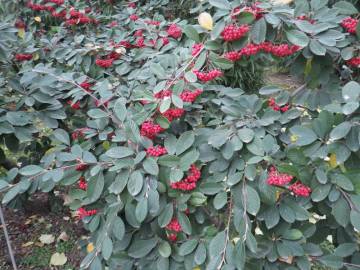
pixel 26 227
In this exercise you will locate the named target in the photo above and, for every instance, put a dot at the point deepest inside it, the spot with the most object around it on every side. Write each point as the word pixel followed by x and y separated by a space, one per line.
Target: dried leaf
pixel 47 239
pixel 58 259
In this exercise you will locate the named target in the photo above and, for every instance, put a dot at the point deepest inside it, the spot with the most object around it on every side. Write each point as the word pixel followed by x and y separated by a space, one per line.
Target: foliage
pixel 244 181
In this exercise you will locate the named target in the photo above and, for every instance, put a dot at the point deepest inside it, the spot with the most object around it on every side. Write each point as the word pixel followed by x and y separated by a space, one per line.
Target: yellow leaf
pixel 58 259
pixel 332 161
pixel 90 247
pixel 293 138
pixel 196 268
pixel 36 56
pixel 27 244
pixel 106 145
pixel 205 20
pixel 277 194
pixel 21 33
pixel 282 2
pixel 37 19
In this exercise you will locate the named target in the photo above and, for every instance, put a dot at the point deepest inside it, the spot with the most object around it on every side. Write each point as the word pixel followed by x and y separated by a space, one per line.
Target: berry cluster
pixel 156 151
pixel 132 5
pixel 77 17
pixel 354 62
pixel 23 56
pixel 232 32
pixel 104 63
pixel 81 213
pixel 306 18
pixel 208 76
pixel 299 189
pixel 86 86
pixel 149 129
pixel 188 96
pixel 81 166
pixel 82 183
pixel 282 50
pixel 174 226
pixel 162 94
pixel 134 17
pixel 151 22
pixel 278 179
pixel 276 107
pixel 196 48
pixel 165 41
pixel 174 31
pixel 79 133
pixel 174 113
pixel 189 182
pixel 75 106
pixel 350 24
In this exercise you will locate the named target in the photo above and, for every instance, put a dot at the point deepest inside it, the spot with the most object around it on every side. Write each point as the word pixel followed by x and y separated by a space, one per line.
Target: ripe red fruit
pixel 172 114
pixel 172 237
pixel 350 24
pixel 163 93
pixel 174 226
pixel 156 151
pixel 196 48
pixel 150 129
pixel 232 32
pixel 81 167
pixel 188 96
pixel 75 106
pixel 23 56
pixel 81 213
pixel 134 17
pixel 82 183
pixel 174 31
pixel 208 76
pixel 104 63
pixel 278 179
pixel 299 189
pixel 354 62
pixel 86 86
pixel 189 182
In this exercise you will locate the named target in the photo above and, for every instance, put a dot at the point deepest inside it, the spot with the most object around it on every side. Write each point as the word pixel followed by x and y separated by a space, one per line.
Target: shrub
pixel 167 166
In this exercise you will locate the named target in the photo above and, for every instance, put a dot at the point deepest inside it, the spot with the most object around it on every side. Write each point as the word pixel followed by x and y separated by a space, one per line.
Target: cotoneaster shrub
pixel 167 166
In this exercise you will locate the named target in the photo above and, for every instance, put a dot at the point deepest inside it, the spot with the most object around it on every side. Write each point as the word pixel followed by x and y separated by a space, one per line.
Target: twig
pixel 7 238
pixel 245 217
pixel 227 230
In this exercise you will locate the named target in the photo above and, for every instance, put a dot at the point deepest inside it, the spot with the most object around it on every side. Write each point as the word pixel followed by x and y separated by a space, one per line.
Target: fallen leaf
pixel 47 239
pixel 66 218
pixel 37 19
pixel 58 259
pixel 27 244
pixel 63 236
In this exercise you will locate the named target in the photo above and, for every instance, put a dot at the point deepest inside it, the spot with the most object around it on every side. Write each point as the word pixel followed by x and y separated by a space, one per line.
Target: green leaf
pixel 164 249
pixel 258 31
pixel 107 247
pixel 166 215
pixel 220 200
pixel 62 136
pixel 345 8
pixel 119 152
pixel 135 183
pixel 342 181
pixel 3 184
pixel 200 254
pixel 141 210
pixel 31 170
pixel 346 249
pixel 252 201
pixel 97 113
pixel 118 228
pixel 188 247
pixel 140 248
pixel 176 175
pixel 351 91
pixel 177 101
pixel 304 135
pixel 184 142
pixel 340 131
pixel 217 244
pixel 191 33
pixel 293 234
pixel 297 37
pixel 95 188
pixel 219 137
pixel 151 166
pixel 341 212
pixel 355 219
pixel 165 105
pixel 331 261
pixel 184 223
pixel 169 161
pixel 246 135
pixel 320 192
pixel 316 48
pixel 222 4
pixel 120 109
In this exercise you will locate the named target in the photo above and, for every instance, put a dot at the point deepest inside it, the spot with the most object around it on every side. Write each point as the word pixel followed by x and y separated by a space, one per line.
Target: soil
pixel 26 226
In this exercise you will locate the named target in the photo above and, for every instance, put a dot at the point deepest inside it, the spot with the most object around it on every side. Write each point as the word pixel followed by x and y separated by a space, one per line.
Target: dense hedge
pixel 168 166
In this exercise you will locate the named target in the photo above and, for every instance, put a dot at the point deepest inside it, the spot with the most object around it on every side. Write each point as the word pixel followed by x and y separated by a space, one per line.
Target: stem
pixel 227 231
pixel 7 238
pixel 111 115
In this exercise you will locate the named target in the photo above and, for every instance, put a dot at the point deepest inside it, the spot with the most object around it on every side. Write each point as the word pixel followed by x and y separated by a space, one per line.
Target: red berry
pixel 350 24
pixel 278 179
pixel 23 56
pixel 82 183
pixel 174 31
pixel 104 63
pixel 156 151
pixel 150 129
pixel 233 32
pixel 299 189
